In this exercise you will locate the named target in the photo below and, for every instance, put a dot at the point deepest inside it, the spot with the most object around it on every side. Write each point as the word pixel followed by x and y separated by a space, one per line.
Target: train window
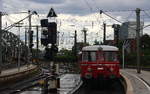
pixel 101 56
pixel 85 56
pixel 110 56
pixel 93 56
pixel 89 56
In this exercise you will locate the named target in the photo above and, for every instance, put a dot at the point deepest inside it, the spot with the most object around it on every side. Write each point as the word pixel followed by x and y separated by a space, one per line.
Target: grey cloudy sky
pixel 82 11
pixel 79 7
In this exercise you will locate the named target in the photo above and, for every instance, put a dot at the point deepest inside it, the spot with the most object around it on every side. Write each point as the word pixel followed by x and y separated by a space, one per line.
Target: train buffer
pixel 140 83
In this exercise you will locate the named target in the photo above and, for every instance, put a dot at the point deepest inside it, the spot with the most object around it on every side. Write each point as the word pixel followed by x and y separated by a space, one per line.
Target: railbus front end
pixel 99 62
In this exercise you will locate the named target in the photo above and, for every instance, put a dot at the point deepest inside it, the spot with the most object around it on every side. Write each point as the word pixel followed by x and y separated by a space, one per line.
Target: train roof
pixel 100 47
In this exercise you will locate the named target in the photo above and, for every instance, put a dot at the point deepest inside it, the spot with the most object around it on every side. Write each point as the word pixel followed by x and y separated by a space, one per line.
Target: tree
pixel 145 41
pixel 96 42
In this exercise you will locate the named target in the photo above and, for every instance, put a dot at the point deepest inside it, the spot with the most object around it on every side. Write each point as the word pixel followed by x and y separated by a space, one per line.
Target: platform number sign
pixel 51 13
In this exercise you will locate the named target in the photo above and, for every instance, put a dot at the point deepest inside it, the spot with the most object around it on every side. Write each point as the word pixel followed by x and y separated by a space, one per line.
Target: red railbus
pixel 99 62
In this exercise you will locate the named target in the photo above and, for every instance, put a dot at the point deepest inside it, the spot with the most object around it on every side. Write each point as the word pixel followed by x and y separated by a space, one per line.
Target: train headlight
pixel 89 69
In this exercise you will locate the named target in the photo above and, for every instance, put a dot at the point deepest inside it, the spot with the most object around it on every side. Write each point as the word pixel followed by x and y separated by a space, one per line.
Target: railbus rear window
pixel 89 56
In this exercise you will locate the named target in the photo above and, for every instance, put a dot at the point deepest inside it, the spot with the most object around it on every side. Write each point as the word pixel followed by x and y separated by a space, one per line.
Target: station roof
pixel 100 47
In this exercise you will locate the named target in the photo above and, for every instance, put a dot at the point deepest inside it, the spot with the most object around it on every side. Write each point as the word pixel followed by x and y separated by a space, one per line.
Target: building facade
pixel 128 30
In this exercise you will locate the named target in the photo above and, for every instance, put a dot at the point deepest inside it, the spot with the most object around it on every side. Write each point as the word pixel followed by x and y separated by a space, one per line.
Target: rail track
pixel 116 86
pixel 22 84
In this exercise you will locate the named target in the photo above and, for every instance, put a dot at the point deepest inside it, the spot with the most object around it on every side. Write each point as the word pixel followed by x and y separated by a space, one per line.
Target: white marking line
pixel 139 80
pixel 76 88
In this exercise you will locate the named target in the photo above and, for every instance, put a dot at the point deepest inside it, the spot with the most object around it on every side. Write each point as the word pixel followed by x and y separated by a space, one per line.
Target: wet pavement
pixel 68 83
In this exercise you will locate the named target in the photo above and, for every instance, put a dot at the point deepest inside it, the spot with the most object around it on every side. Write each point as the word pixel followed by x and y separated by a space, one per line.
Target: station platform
pixel 139 83
pixel 16 70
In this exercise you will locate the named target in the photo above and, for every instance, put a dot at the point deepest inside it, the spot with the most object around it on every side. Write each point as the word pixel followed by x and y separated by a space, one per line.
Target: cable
pixel 9 19
pixel 88 5
pixel 95 4
pixel 146 13
pixel 91 9
pixel 116 19
pixel 110 16
pixel 129 15
pixel 118 10
pixel 9 27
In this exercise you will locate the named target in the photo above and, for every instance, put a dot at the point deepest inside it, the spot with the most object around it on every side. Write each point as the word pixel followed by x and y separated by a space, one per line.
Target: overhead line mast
pixel 138 39
pixel 1 14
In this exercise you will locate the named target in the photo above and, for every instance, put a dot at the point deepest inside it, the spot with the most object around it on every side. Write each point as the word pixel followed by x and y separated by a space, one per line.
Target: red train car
pixel 99 62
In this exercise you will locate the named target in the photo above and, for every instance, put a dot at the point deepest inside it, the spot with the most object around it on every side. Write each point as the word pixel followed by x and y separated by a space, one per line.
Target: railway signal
pixel 116 33
pixel 49 35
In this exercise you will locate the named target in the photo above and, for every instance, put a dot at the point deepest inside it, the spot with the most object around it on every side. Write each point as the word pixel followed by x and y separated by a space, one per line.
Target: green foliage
pixel 65 55
pixel 130 58
pixel 96 42
pixel 145 41
pixel 79 45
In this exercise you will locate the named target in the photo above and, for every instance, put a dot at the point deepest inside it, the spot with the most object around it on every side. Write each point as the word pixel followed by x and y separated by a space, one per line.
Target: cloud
pixel 80 13
pixel 48 1
pixel 78 7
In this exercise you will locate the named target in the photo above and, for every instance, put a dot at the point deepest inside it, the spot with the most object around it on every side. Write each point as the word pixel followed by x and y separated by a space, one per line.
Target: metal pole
pixel 84 31
pixel 123 54
pixel 25 36
pixel 75 44
pixel 37 41
pixel 19 47
pixel 138 39
pixel 104 36
pixel 0 41
pixel 29 32
pixel 26 53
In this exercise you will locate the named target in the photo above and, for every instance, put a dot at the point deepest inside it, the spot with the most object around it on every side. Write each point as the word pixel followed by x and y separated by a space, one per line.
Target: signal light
pixel 44 22
pixel 31 39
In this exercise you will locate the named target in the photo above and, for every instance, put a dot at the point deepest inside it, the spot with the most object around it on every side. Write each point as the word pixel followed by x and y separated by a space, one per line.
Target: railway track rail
pixel 22 85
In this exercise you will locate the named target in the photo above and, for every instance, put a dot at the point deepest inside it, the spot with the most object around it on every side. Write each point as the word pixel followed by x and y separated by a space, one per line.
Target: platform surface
pixel 16 70
pixel 140 82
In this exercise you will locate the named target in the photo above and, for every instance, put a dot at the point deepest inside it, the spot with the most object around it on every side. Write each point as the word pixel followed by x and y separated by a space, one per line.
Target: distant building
pixel 128 30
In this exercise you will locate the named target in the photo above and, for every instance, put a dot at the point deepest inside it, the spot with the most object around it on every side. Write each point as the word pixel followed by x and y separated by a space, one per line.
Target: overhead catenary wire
pixel 117 10
pixel 116 19
pixel 91 10
pixel 129 15
pixel 12 25
pixel 89 6
pixel 110 16
pixel 146 13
